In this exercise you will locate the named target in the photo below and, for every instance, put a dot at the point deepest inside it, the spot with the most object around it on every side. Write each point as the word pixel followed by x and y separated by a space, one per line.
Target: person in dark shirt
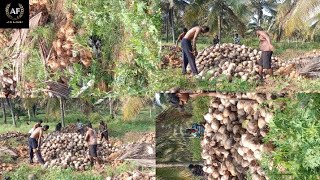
pixel 216 40
pixel 196 170
pixel 237 39
pixel 103 131
pixel 58 127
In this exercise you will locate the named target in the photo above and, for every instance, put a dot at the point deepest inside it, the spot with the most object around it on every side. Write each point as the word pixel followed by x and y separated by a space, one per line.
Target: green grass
pixel 169 78
pixel 195 149
pixel 179 173
pixel 122 168
pixel 117 127
pixel 24 171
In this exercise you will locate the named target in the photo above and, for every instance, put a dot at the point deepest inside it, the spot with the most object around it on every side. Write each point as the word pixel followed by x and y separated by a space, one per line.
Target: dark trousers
pixel 188 57
pixel 105 135
pixel 33 144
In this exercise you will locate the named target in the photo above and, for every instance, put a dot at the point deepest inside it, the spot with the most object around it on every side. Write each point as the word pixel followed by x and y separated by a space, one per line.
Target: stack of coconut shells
pixel 6 167
pixel 64 55
pixel 9 135
pixel 8 83
pixel 231 60
pixel 173 59
pixel 234 129
pixel 70 150
pixel 149 138
pixel 137 175
pixel 307 66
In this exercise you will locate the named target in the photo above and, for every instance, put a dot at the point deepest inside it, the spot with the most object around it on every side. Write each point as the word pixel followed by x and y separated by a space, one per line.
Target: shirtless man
pixel 38 124
pixel 35 143
pixel 267 50
pixel 189 52
pixel 185 30
pixel 91 139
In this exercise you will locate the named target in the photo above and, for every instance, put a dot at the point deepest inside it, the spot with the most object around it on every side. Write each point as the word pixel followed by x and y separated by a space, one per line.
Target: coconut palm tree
pixel 218 15
pixel 294 17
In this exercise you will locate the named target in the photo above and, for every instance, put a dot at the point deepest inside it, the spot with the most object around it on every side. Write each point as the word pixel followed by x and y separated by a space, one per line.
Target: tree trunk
pixel 62 111
pixel 29 114
pixel 34 110
pixel 4 111
pixel 220 27
pixel 172 25
pixel 12 111
pixel 167 26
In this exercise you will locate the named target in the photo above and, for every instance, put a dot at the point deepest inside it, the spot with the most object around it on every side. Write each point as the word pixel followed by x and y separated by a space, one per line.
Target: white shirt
pixel 31 130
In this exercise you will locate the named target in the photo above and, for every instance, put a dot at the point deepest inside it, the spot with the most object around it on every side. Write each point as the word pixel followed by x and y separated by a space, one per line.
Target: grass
pixel 169 78
pixel 177 173
pixel 195 148
pixel 122 168
pixel 117 127
pixel 24 171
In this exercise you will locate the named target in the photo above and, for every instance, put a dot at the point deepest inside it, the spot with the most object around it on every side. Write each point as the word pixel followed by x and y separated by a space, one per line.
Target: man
pixel 216 40
pixel 267 50
pixel 38 124
pixel 197 130
pixel 196 170
pixel 189 52
pixel 58 127
pixel 185 30
pixel 103 131
pixel 35 143
pixel 237 39
pixel 80 128
pixel 91 139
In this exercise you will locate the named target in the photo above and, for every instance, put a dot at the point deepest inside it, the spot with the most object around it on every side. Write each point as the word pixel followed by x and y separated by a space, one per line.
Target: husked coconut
pixel 208 117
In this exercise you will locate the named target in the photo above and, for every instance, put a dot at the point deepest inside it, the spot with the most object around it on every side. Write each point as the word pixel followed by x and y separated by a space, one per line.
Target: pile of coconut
pixel 5 167
pixel 235 126
pixel 137 175
pixel 64 54
pixel 231 60
pixel 9 135
pixel 173 59
pixel 149 138
pixel 70 150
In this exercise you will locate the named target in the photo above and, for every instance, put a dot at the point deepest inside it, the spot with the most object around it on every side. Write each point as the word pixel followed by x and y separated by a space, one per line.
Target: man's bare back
pixel 37 133
pixel 91 137
pixel 265 42
pixel 192 33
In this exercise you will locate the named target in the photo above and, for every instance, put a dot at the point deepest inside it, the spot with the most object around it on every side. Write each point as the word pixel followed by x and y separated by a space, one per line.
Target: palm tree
pixel 218 15
pixel 4 111
pixel 294 16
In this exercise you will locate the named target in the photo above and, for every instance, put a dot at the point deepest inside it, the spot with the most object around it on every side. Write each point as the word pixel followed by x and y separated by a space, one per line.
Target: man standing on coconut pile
pixel 91 139
pixel 267 50
pixel 185 30
pixel 35 143
pixel 103 131
pixel 189 52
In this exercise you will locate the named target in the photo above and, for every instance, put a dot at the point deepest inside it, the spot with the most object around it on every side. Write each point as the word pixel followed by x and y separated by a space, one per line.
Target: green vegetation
pixel 169 78
pixel 195 148
pixel 24 171
pixel 295 133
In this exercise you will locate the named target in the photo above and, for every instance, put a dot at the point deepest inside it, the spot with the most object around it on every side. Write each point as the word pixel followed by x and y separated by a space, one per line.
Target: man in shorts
pixel 91 139
pixel 35 143
pixel 189 51
pixel 267 50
